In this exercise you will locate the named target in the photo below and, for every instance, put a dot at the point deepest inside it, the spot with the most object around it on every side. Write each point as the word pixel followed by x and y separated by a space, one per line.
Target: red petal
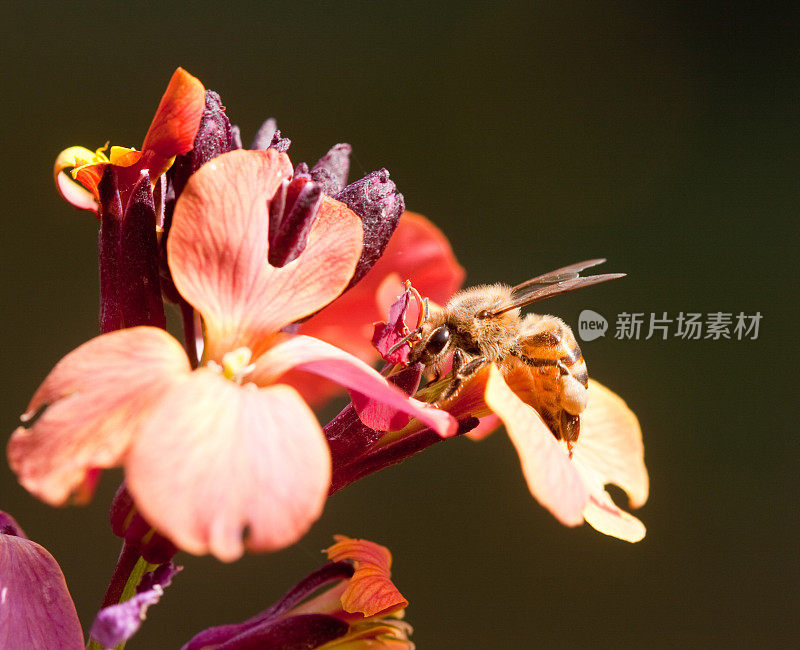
pixel 551 477
pixel 36 610
pixel 218 252
pixel 97 397
pixel 370 591
pixel 216 458
pixel 177 118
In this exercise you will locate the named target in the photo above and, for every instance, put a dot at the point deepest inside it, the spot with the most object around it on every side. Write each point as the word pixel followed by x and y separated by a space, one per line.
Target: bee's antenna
pixel 404 340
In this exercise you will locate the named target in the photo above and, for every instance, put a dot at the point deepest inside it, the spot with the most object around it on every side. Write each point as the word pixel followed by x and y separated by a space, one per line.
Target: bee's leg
pixel 461 371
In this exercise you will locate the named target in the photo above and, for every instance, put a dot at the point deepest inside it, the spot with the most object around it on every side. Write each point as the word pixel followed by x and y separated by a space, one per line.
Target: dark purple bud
pixel 331 170
pixel 139 289
pixel 301 632
pixel 108 251
pixel 236 137
pixel 301 169
pixel 292 212
pixel 331 572
pixel 269 137
pixel 392 454
pixel 127 523
pixel 214 137
pixel 375 200
pixel 9 526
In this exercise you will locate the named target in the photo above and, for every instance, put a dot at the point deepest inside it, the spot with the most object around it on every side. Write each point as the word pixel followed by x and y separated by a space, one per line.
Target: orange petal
pixel 216 458
pixel 370 591
pixel 177 118
pixel 610 443
pixel 97 397
pixel 218 252
pixel 552 478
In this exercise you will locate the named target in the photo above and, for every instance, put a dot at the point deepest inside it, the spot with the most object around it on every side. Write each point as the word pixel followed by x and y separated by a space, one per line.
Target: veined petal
pixel 215 458
pixel 370 591
pixel 218 249
pixel 551 476
pixel 311 355
pixel 96 397
pixel 610 443
pixel 36 610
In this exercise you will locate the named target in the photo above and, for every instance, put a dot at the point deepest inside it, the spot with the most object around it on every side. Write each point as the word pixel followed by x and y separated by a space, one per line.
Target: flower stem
pixel 189 332
pixel 126 577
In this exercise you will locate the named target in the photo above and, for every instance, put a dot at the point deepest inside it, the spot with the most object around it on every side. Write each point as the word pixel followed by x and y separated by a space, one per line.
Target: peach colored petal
pixel 370 591
pixel 218 252
pixel 552 478
pixel 610 443
pixel 311 355
pixel 177 118
pixel 96 397
pixel 602 514
pixel 418 251
pixel 216 458
pixel 36 610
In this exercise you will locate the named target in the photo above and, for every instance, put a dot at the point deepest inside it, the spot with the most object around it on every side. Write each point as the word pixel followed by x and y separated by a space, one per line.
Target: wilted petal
pixel 551 476
pixel 218 249
pixel 118 623
pixel 370 591
pixel 36 610
pixel 215 458
pixel 73 192
pixel 96 397
pixel 387 335
pixel 311 355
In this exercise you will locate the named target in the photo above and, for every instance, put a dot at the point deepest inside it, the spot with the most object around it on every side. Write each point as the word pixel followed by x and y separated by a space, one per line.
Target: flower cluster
pixel 279 272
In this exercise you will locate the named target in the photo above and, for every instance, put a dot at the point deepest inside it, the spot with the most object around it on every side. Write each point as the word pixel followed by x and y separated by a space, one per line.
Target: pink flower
pixel 229 445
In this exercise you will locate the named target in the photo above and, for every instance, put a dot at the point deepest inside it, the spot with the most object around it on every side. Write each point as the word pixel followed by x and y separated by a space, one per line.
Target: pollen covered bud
pixel 376 201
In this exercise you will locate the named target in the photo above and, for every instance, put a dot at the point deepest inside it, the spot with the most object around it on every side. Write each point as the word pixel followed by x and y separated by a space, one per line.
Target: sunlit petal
pixel 311 355
pixel 610 443
pixel 370 591
pixel 216 458
pixel 96 397
pixel 218 252
pixel 552 478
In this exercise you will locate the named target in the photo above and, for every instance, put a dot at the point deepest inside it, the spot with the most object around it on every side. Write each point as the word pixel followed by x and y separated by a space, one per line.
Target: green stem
pixel 126 577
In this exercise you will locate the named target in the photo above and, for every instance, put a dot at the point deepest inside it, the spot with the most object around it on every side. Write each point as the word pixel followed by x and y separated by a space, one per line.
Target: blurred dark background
pixel 661 136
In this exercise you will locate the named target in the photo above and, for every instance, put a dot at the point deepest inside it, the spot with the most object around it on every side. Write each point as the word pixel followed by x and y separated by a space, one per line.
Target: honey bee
pixel 482 325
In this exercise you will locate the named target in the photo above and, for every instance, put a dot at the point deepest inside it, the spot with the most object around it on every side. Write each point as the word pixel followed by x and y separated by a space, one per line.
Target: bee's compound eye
pixel 438 340
pixel 483 313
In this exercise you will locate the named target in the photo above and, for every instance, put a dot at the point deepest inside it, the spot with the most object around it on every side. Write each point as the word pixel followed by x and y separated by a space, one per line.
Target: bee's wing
pixel 559 275
pixel 530 292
